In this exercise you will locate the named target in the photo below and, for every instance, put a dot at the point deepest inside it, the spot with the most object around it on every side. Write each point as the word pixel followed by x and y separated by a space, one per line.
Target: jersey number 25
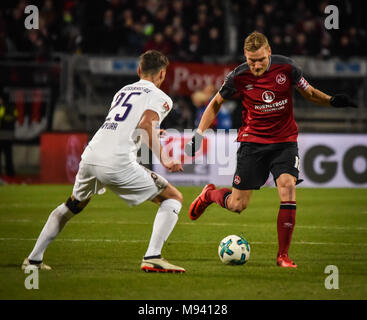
pixel 121 102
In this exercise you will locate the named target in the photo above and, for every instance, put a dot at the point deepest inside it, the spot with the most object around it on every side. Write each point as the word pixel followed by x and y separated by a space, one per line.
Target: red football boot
pixel 284 261
pixel 199 205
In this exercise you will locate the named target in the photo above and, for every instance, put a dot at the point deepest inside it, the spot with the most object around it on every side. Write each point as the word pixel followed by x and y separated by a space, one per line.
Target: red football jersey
pixel 267 100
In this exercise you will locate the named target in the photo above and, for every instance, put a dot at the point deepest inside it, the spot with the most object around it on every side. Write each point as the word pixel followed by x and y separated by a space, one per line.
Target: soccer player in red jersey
pixel 268 135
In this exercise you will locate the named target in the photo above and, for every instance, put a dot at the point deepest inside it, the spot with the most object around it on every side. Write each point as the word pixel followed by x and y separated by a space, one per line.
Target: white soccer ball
pixel 234 249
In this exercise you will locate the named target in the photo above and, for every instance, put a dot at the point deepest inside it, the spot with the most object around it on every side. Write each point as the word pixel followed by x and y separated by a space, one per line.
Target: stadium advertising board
pixel 326 160
pixel 60 156
pixel 184 78
pixel 121 66
pixel 333 160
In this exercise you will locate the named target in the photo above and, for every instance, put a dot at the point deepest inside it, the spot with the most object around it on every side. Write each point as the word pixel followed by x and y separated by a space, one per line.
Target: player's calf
pixel 286 185
pixel 55 223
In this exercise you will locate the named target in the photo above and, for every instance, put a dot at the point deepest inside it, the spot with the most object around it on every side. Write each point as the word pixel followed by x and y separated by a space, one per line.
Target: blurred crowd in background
pixel 182 29
pixel 297 27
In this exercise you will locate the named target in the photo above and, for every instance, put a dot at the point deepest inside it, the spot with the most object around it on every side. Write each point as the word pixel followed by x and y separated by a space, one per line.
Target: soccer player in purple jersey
pixel 268 135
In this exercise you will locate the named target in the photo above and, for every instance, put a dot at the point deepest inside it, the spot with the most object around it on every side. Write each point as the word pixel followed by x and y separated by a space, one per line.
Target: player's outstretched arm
pixel 340 100
pixel 207 119
pixel 210 112
pixel 150 136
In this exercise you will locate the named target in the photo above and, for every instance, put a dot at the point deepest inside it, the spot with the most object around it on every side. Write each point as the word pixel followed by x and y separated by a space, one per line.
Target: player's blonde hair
pixel 255 41
pixel 152 61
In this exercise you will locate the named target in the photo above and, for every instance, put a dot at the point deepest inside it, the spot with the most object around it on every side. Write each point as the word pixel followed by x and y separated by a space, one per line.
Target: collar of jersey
pixel 147 82
pixel 267 69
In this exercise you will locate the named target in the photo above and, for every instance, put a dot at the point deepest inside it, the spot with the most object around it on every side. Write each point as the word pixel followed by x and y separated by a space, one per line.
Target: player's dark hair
pixel 152 61
pixel 255 41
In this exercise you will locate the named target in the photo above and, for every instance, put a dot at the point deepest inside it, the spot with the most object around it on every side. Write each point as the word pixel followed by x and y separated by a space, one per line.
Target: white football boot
pixel 40 266
pixel 160 265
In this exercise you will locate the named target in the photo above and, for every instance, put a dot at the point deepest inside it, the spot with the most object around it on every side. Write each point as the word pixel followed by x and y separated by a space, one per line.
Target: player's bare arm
pixel 147 123
pixel 316 96
pixel 210 113
pixel 207 119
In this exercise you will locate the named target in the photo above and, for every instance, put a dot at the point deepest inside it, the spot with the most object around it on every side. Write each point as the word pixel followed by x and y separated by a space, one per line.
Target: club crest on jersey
pixel 237 180
pixel 281 78
pixel 268 96
pixel 166 106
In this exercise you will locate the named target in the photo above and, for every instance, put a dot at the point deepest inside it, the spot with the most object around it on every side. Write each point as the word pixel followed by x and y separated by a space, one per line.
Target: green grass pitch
pixel 98 254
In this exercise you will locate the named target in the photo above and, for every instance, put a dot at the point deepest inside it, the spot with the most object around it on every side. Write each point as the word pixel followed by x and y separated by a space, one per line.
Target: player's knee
pixel 173 193
pixel 75 206
pixel 286 181
pixel 287 190
pixel 170 192
pixel 288 186
pixel 178 196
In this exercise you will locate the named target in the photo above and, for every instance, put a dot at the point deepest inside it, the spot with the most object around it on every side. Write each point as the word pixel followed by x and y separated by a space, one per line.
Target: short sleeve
pixel 297 76
pixel 161 104
pixel 228 89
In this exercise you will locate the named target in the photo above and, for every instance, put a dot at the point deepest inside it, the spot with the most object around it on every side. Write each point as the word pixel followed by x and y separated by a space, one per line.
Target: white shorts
pixel 134 183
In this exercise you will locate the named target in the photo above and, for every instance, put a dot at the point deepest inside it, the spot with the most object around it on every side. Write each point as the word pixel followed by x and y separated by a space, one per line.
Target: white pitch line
pixel 332 228
pixel 344 228
pixel 183 241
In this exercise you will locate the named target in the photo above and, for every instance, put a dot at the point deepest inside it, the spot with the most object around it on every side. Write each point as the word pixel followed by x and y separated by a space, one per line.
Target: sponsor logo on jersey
pixel 281 78
pixel 249 87
pixel 276 106
pixel 268 96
